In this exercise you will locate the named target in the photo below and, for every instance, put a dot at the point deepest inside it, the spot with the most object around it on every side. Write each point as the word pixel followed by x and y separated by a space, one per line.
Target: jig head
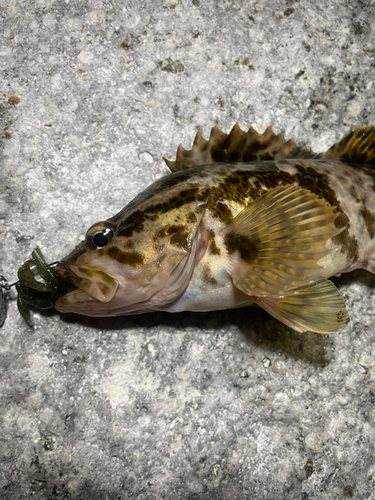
pixel 36 286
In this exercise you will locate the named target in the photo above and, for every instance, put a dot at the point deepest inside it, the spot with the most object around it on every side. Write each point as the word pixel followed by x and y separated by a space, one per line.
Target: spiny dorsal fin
pixel 316 307
pixel 235 147
pixel 357 147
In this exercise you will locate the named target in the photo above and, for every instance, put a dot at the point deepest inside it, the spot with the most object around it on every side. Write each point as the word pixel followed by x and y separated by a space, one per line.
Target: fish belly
pixel 214 299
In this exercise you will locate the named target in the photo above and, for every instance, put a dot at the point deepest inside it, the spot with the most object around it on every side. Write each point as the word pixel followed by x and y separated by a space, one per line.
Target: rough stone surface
pixel 223 405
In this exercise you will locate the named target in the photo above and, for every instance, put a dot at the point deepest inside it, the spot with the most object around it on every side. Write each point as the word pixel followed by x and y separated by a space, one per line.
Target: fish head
pixel 135 262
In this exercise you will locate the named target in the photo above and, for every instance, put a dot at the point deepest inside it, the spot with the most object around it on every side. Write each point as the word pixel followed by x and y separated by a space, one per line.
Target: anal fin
pixel 316 307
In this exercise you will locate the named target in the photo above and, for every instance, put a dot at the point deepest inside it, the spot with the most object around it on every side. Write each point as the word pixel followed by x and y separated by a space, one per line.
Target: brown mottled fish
pixel 243 219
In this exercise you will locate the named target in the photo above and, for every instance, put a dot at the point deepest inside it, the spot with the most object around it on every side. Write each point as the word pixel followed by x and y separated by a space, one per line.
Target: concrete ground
pixel 222 405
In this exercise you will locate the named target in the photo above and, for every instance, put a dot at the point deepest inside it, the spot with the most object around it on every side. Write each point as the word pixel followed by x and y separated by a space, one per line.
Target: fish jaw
pixel 100 289
pixel 127 297
pixel 95 284
pixel 104 288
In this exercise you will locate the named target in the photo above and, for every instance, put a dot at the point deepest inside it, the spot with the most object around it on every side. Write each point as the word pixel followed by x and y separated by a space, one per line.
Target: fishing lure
pixel 243 219
pixel 36 286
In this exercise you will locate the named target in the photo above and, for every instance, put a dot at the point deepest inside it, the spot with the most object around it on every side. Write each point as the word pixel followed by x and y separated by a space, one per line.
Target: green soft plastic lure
pixel 36 286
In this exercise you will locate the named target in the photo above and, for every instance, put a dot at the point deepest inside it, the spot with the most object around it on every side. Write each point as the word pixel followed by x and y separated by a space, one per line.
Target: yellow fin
pixel 356 147
pixel 237 146
pixel 317 307
pixel 278 239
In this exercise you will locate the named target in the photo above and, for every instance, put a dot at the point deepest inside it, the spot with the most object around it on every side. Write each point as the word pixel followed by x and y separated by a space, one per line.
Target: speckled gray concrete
pixel 226 405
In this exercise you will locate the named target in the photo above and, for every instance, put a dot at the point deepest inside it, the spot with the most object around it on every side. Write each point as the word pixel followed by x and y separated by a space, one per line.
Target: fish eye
pixel 99 235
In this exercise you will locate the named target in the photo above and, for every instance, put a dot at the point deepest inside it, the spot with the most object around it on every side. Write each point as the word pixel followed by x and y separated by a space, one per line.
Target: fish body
pixel 242 219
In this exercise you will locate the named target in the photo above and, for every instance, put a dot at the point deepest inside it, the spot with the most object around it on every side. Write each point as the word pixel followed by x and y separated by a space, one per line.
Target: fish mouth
pixel 95 286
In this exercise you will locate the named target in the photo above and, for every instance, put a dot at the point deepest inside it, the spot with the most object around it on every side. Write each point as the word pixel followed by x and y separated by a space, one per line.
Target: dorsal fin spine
pixel 357 147
pixel 237 146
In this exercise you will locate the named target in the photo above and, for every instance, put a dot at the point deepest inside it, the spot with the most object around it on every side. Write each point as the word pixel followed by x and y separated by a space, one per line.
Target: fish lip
pixel 64 274
pixel 100 290
pixel 68 279
pixel 63 304
pixel 62 271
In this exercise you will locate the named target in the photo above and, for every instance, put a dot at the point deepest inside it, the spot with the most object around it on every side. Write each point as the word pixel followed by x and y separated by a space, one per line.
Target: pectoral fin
pixel 317 307
pixel 277 241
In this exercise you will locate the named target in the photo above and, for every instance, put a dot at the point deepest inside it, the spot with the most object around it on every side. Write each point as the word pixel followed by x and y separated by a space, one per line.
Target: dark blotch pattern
pixel 135 221
pixel 353 192
pixel 370 171
pixel 159 187
pixel 369 219
pixel 132 259
pixel 207 277
pixel 160 233
pixel 242 186
pixel 180 236
pixel 247 247
pixel 221 211
pixel 318 184
pixel 191 217
pixel 213 249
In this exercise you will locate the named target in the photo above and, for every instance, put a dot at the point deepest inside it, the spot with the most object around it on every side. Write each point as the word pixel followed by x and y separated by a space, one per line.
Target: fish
pixel 243 219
